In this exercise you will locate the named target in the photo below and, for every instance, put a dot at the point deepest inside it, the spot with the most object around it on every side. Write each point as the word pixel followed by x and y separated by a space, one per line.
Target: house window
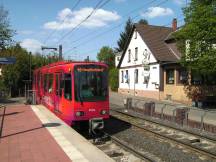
pixel 210 79
pixel 136 54
pixel 146 67
pixel 170 76
pixel 129 55
pixel 118 58
pixel 196 78
pixel 135 35
pixel 122 76
pixel 146 79
pixel 182 76
pixel 136 76
pixel 126 77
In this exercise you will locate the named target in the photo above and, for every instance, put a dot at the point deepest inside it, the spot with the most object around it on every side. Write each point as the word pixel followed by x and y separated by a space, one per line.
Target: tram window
pixel 61 83
pixel 38 79
pixel 67 87
pixel 90 85
pixel 45 81
pixel 57 84
pixel 50 83
pixel 34 80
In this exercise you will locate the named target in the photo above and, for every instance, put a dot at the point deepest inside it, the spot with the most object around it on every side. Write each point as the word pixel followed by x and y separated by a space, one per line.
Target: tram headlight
pixel 103 112
pixel 79 113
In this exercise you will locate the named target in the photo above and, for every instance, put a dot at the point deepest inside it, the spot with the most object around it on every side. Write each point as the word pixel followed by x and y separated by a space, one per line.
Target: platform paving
pixel 34 134
pixel 74 145
pixel 24 139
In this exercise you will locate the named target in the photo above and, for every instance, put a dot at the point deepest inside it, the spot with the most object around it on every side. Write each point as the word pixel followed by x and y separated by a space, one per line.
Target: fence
pixel 185 116
pixel 31 97
pixel 2 114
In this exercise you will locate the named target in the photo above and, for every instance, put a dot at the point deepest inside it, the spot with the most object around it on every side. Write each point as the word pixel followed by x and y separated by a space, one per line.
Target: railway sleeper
pixel 195 140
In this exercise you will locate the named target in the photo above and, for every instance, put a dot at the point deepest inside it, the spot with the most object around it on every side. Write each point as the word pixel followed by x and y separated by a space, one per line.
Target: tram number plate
pixel 91 110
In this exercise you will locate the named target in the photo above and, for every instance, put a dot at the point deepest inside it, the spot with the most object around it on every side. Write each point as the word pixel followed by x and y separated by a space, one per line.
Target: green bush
pixel 114 79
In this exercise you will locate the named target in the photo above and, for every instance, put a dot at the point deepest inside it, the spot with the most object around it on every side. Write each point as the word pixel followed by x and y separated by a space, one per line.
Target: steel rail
pixel 187 145
pixel 130 149
pixel 168 126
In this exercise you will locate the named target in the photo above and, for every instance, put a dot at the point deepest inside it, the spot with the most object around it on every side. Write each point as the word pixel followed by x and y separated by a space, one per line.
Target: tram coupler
pixel 95 125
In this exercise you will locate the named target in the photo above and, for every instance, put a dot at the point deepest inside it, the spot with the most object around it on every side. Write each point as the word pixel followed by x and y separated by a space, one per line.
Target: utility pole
pixel 55 49
pixel 60 52
pixel 87 59
pixel 30 62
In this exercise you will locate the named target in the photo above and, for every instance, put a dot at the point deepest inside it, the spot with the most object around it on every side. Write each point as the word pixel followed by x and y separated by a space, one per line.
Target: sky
pixel 53 22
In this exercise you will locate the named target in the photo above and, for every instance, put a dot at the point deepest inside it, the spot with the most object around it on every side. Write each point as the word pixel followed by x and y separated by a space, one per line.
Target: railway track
pixel 121 151
pixel 198 143
pixel 210 138
pixel 116 148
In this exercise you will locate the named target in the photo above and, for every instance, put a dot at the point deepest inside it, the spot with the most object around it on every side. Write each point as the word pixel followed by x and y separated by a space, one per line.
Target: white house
pixel 117 58
pixel 140 71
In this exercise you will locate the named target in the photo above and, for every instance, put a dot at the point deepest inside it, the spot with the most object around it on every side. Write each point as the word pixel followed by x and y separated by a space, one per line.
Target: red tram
pixel 74 91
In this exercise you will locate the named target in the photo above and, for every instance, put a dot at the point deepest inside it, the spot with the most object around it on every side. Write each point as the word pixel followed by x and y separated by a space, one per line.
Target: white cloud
pixel 153 12
pixel 31 45
pixel 68 19
pixel 25 32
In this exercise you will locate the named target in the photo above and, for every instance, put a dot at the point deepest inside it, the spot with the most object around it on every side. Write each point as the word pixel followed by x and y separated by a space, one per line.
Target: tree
pixel 5 32
pixel 13 76
pixel 107 56
pixel 124 36
pixel 143 21
pixel 199 33
pixel 114 79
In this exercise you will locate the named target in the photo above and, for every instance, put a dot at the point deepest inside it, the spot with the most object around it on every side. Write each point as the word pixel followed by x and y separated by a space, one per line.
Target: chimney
pixel 174 24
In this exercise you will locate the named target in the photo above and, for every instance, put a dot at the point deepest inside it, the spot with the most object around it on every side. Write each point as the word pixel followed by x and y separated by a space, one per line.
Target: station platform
pixel 34 134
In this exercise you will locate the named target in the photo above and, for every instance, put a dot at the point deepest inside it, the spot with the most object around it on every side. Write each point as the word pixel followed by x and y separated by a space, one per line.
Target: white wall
pixel 138 42
pixel 154 72
pixel 117 59
pixel 154 78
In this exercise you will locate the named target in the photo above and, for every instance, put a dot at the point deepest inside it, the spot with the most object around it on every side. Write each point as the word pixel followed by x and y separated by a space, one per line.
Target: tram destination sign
pixel 90 69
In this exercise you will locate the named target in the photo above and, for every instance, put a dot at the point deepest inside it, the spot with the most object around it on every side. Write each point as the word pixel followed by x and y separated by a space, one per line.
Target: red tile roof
pixel 154 37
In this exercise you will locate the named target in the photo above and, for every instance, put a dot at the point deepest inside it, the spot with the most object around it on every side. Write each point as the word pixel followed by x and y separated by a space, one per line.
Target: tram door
pixel 57 92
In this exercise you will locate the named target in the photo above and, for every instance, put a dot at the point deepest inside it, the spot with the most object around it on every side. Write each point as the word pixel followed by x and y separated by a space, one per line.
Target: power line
pixel 115 27
pixel 168 24
pixel 75 5
pixel 132 11
pixel 92 12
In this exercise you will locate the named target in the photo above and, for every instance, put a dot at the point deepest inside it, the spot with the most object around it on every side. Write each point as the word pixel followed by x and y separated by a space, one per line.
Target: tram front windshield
pixel 90 83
